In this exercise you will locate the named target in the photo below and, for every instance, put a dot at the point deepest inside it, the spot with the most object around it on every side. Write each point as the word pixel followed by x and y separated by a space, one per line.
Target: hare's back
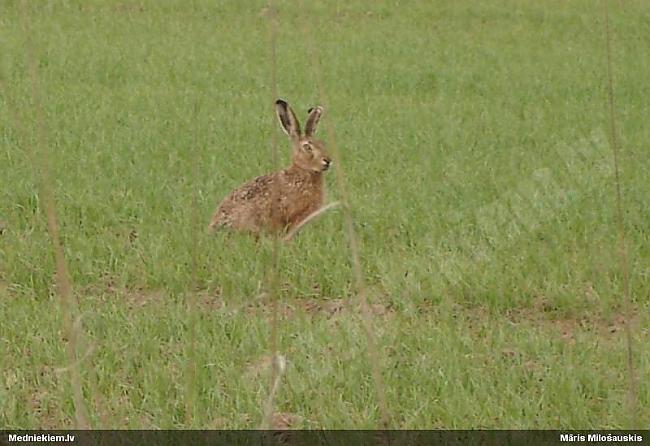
pixel 258 189
pixel 246 207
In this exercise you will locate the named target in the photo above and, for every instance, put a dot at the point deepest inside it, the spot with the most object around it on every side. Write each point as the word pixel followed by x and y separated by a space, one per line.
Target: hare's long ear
pixel 287 118
pixel 312 120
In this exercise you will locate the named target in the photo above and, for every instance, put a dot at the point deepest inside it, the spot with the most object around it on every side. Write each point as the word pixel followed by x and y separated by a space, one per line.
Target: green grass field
pixel 475 144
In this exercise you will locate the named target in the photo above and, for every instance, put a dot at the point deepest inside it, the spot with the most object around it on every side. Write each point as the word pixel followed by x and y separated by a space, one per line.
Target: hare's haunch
pixel 298 189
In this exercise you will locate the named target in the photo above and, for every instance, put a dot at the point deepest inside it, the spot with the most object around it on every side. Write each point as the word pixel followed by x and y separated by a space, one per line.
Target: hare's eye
pixel 306 147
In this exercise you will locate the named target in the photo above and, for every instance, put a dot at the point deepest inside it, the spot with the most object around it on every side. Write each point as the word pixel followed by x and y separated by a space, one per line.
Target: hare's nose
pixel 327 161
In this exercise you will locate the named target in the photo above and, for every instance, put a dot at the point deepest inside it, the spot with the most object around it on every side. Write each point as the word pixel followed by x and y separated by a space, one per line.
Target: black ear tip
pixel 281 102
pixel 310 110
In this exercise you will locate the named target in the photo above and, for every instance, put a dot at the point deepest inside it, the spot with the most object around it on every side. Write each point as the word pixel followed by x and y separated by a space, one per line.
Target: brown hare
pixel 298 189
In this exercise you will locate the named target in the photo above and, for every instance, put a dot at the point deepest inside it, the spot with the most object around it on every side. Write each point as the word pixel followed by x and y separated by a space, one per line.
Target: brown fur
pixel 298 189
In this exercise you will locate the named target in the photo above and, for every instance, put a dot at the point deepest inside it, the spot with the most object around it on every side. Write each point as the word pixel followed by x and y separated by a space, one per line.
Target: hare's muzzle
pixel 326 163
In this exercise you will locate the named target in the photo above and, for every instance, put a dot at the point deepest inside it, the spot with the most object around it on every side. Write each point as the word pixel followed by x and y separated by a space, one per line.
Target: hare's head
pixel 308 153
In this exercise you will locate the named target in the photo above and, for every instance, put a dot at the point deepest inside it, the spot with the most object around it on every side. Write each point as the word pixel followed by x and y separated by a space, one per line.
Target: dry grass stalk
pixel 622 249
pixel 309 218
pixel 72 332
pixel 366 313
pixel 274 276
